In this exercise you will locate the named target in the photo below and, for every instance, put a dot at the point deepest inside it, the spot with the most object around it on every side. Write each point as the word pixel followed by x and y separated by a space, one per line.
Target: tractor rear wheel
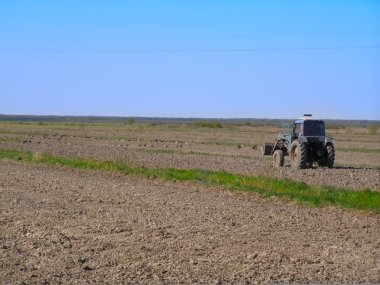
pixel 330 156
pixel 278 158
pixel 299 155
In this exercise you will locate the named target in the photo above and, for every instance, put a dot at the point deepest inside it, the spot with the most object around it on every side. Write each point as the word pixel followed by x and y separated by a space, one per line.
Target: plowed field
pixel 59 225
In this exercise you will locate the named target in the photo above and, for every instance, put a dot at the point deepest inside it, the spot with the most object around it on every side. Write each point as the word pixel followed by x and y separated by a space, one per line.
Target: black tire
pixel 299 155
pixel 330 156
pixel 278 158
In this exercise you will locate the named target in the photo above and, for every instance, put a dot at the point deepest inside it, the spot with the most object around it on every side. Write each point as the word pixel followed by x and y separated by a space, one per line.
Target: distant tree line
pixel 199 122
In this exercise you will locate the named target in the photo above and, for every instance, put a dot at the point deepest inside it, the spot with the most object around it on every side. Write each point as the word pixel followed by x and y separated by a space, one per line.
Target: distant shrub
pixel 131 121
pixel 205 124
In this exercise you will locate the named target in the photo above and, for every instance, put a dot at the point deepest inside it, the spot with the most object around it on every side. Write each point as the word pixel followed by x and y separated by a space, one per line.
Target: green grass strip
pixel 295 191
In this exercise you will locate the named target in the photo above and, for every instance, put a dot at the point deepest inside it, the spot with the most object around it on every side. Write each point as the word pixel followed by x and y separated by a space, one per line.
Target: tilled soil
pixel 60 225
pixel 241 159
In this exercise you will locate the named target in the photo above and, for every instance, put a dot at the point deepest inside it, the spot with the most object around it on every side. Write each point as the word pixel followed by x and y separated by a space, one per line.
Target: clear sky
pixel 191 58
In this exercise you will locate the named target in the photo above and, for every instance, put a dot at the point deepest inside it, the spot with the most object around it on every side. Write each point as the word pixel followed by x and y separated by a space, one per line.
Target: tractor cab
pixel 307 127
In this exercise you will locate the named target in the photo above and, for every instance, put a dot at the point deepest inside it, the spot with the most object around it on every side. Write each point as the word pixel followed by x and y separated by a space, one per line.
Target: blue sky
pixel 198 58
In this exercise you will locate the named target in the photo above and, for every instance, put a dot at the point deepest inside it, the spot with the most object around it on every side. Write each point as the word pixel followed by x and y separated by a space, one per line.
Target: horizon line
pixel 175 117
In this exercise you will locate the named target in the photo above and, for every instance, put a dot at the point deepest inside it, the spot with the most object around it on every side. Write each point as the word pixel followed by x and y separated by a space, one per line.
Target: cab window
pixel 314 128
pixel 297 129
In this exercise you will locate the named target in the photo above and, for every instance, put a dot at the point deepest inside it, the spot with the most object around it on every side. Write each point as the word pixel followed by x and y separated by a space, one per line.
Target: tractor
pixel 305 143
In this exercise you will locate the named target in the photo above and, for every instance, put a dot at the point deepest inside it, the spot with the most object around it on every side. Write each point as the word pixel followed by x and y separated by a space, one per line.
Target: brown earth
pixel 59 225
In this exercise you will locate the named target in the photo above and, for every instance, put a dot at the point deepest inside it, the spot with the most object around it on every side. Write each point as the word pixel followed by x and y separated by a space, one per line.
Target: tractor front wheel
pixel 278 158
pixel 299 155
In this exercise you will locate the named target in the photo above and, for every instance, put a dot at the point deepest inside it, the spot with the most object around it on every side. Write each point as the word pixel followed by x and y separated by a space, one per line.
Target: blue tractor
pixel 305 143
